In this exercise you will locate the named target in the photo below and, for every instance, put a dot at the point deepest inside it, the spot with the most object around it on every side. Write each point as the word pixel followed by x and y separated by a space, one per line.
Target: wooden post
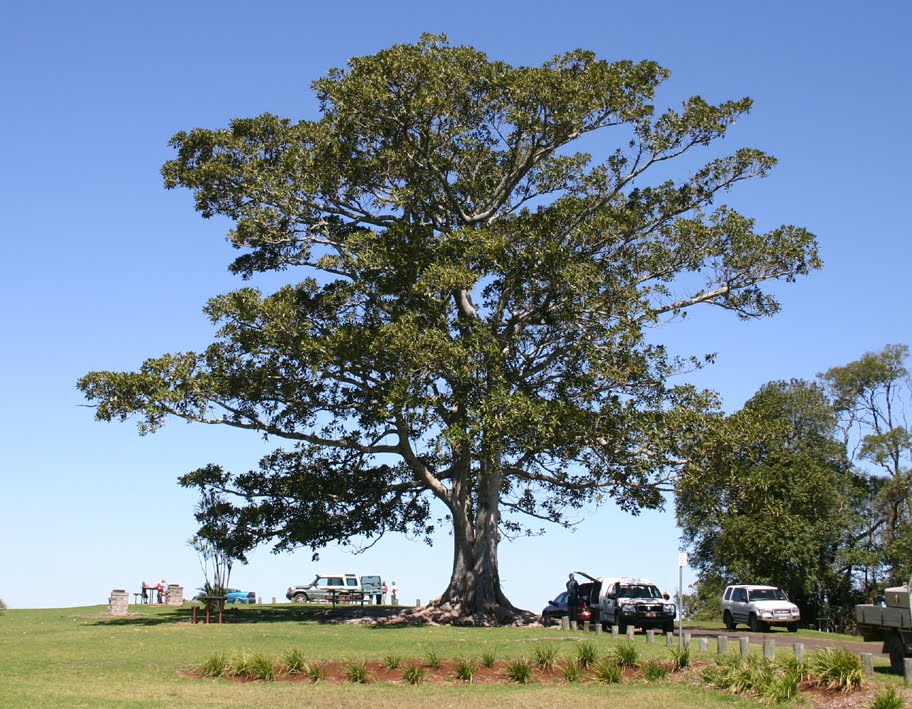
pixel 630 630
pixel 650 637
pixel 703 644
pixel 745 644
pixel 669 639
pixel 598 628
pixel 614 632
pixel 769 648
pixel 867 661
pixel 721 644
pixel 565 622
pixel 798 648
pixel 907 671
pixel 687 641
pixel 586 625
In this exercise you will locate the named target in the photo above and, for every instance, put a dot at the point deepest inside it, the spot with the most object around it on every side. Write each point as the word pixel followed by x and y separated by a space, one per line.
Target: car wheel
pixel 622 626
pixel 729 621
pixel 793 627
pixel 754 624
pixel 300 598
pixel 668 628
pixel 546 620
pixel 897 650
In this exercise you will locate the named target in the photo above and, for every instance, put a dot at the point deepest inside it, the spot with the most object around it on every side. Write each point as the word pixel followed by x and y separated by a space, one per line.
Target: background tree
pixel 872 396
pixel 772 498
pixel 220 541
pixel 469 321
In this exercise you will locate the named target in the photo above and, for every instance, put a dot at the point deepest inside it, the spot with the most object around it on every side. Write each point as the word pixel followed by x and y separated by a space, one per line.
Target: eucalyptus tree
pixel 470 298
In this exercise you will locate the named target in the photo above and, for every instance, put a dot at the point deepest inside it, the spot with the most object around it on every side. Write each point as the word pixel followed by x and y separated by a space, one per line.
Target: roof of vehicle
pixel 751 586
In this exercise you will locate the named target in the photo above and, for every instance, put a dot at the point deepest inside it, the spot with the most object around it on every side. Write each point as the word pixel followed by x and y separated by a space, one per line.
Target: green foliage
pixel 836 668
pixel 414 673
pixel 607 671
pixel 262 667
pixel 314 671
pixel 887 698
pixel 216 665
pixel 465 668
pixel 476 298
pixel 680 658
pixel 545 656
pixel 355 671
pixel 773 681
pixel 295 660
pixel 571 669
pixel 587 653
pixel 2 607
pixel 432 659
pixel 521 671
pixel 489 656
pixel 626 654
pixel 391 662
pixel 654 670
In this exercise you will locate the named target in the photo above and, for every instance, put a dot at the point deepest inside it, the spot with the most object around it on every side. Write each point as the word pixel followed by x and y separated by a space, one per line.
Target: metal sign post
pixel 682 562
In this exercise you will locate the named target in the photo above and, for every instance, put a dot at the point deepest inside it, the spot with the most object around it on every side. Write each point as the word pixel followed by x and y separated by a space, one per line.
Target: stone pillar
pixel 118 602
pixel 175 595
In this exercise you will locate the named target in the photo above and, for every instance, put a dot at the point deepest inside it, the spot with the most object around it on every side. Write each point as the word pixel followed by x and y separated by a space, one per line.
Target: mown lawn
pixel 81 657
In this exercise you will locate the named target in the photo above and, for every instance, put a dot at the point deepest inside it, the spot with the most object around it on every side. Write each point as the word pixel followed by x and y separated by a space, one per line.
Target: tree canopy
pixel 470 298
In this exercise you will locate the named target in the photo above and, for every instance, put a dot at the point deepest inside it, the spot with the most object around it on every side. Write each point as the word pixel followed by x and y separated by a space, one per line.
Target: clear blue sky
pixel 103 267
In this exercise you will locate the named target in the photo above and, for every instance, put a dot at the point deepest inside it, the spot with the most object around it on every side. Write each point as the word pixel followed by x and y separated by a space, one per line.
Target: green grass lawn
pixel 81 657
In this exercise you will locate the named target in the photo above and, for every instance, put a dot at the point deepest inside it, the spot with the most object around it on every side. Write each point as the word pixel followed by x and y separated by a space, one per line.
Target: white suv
pixel 759 607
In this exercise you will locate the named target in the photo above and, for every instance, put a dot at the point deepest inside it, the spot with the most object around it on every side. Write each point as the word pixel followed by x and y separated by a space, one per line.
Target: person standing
pixel 572 598
pixel 394 600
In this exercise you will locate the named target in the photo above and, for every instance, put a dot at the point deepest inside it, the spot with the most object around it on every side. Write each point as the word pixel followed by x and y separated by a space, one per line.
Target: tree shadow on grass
pixel 290 613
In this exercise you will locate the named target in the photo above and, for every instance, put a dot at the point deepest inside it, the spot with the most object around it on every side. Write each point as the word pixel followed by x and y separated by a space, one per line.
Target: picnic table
pixel 346 596
pixel 212 605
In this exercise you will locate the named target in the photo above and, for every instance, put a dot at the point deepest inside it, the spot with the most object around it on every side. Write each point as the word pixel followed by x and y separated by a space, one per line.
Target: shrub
pixel 315 671
pixel 887 698
pixel 626 654
pixel 294 660
pixel 654 670
pixel 587 653
pixel 720 673
pixel 465 669
pixel 433 660
pixel 489 656
pixel 836 668
pixel 572 670
pixel 216 666
pixel 414 673
pixel 391 662
pixel 545 656
pixel 608 671
pixel 680 658
pixel 2 607
pixel 240 664
pixel 356 671
pixel 262 667
pixel 520 671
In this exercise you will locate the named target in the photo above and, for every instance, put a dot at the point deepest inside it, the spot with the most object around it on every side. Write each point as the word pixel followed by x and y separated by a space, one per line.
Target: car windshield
pixel 638 591
pixel 767 594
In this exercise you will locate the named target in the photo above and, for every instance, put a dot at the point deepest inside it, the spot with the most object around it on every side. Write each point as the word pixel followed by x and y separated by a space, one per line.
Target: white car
pixel 758 607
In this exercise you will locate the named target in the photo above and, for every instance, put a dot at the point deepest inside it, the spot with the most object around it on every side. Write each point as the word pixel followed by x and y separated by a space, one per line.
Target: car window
pixel 741 595
pixel 638 591
pixel 335 582
pixel 767 594
pixel 561 598
pixel 351 582
pixel 728 593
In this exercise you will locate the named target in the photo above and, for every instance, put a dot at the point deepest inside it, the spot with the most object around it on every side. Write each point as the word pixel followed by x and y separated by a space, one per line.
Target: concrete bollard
pixel 586 625
pixel 867 662
pixel 798 649
pixel 630 630
pixel 687 641
pixel 703 644
pixel 598 629
pixel 273 600
pixel 721 644
pixel 669 639
pixel 907 671
pixel 769 648
pixel 119 602
pixel 615 632
pixel 650 637
pixel 745 644
pixel 573 625
pixel 565 622
pixel 260 600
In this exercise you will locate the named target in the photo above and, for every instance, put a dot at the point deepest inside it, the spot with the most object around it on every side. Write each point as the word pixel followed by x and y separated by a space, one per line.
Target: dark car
pixel 557 609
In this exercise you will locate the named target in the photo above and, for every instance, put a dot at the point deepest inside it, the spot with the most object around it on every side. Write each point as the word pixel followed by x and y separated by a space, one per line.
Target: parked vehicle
pixel 372 587
pixel 889 621
pixel 629 601
pixel 558 608
pixel 759 607
pixel 324 587
pixel 232 595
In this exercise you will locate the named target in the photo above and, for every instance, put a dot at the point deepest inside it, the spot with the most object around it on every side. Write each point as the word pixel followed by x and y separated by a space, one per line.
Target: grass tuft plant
pixel 315 671
pixel 654 670
pixel 414 673
pixel 392 662
pixel 608 671
pixel 836 668
pixel 887 698
pixel 356 671
pixel 520 671
pixel 465 669
pixel 587 653
pixel 572 670
pixel 545 655
pixel 433 660
pixel 626 654
pixel 295 660
pixel 216 666
pixel 489 656
pixel 680 658
pixel 262 667
pixel 241 664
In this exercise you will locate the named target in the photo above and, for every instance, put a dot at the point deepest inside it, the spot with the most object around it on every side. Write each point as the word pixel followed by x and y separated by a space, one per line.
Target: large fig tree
pixel 469 303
